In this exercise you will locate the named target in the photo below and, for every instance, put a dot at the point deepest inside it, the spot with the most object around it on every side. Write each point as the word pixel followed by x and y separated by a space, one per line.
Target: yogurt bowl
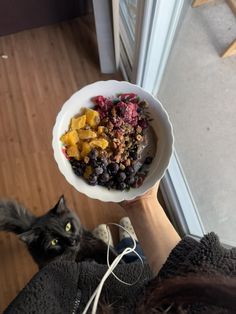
pixel 159 123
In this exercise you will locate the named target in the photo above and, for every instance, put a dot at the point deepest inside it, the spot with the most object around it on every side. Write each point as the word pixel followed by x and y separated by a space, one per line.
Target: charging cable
pixel 96 295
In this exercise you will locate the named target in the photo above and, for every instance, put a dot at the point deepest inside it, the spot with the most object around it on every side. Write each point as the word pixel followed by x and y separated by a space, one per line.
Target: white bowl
pixel 161 125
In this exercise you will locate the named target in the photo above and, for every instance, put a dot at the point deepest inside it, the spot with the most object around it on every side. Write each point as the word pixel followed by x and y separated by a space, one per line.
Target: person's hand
pixel 150 194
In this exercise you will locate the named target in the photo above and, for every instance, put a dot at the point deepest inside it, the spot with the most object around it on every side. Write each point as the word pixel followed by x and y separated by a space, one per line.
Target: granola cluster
pixel 125 122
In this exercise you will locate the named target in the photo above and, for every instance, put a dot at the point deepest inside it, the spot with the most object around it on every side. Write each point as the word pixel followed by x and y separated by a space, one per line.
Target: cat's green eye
pixel 54 242
pixel 68 227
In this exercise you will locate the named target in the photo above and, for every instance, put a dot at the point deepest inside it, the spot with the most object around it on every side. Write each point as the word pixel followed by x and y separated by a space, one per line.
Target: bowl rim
pixel 123 195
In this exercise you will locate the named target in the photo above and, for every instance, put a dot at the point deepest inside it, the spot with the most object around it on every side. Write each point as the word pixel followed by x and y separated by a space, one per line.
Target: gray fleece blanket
pixel 65 287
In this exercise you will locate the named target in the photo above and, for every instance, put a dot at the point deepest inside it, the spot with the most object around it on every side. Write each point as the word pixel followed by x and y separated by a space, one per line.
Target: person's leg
pixel 131 257
pixel 126 241
pixel 103 233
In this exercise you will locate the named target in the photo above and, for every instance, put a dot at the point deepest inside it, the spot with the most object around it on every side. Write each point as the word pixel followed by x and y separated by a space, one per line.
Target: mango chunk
pixel 88 171
pixel 72 151
pixel 78 123
pixel 70 138
pixel 86 148
pixel 86 134
pixel 101 129
pixel 92 117
pixel 102 143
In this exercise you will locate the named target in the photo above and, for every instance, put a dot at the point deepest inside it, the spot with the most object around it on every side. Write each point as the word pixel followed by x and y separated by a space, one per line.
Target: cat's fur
pixel 78 244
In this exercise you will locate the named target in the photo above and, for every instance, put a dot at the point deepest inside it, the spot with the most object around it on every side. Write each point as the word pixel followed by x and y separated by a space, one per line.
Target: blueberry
pixel 78 167
pixel 129 170
pixel 121 176
pixel 104 161
pixel 130 180
pixel 104 177
pixel 110 184
pixel 133 155
pixel 78 171
pixel 72 160
pixel 113 168
pixel 98 170
pixel 76 163
pixel 138 182
pixel 94 163
pixel 93 154
pixel 148 160
pixel 93 179
pixel 121 186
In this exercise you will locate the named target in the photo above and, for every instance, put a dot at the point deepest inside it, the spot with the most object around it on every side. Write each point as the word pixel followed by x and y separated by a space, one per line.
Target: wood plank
pixel 198 3
pixel 230 51
pixel 232 5
pixel 44 67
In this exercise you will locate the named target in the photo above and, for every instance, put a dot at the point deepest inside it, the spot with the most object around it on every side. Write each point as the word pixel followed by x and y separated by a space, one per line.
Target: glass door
pixel 127 30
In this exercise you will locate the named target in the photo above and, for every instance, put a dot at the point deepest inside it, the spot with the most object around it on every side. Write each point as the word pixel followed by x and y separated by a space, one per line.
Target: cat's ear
pixel 60 206
pixel 28 236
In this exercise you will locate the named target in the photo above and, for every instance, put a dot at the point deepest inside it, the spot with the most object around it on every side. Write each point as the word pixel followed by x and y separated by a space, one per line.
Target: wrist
pixel 141 203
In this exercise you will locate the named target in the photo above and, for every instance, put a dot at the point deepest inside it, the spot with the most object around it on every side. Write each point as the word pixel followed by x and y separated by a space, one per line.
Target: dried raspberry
pixel 99 100
pixel 63 149
pixel 102 113
pixel 129 97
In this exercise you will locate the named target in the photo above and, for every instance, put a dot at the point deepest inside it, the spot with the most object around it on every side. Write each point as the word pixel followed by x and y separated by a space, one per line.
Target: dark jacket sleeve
pixel 65 287
pixel 52 290
pixel 207 256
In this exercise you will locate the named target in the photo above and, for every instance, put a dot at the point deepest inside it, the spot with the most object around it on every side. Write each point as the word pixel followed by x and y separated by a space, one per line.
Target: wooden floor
pixel 44 67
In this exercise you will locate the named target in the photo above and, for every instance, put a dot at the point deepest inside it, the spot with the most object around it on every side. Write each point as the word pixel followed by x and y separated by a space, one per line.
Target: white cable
pixel 98 290
pixel 96 295
pixel 132 251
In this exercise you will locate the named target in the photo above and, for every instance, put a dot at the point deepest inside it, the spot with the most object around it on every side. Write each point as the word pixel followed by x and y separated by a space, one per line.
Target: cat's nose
pixel 73 242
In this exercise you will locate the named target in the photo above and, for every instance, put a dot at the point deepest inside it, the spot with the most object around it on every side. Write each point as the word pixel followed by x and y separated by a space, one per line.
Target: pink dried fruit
pixel 129 97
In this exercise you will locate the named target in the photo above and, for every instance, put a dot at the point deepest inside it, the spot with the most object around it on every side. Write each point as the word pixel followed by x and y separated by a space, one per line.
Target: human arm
pixel 155 232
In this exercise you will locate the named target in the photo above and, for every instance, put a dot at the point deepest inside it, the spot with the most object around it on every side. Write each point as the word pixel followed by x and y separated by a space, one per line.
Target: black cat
pixel 56 235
